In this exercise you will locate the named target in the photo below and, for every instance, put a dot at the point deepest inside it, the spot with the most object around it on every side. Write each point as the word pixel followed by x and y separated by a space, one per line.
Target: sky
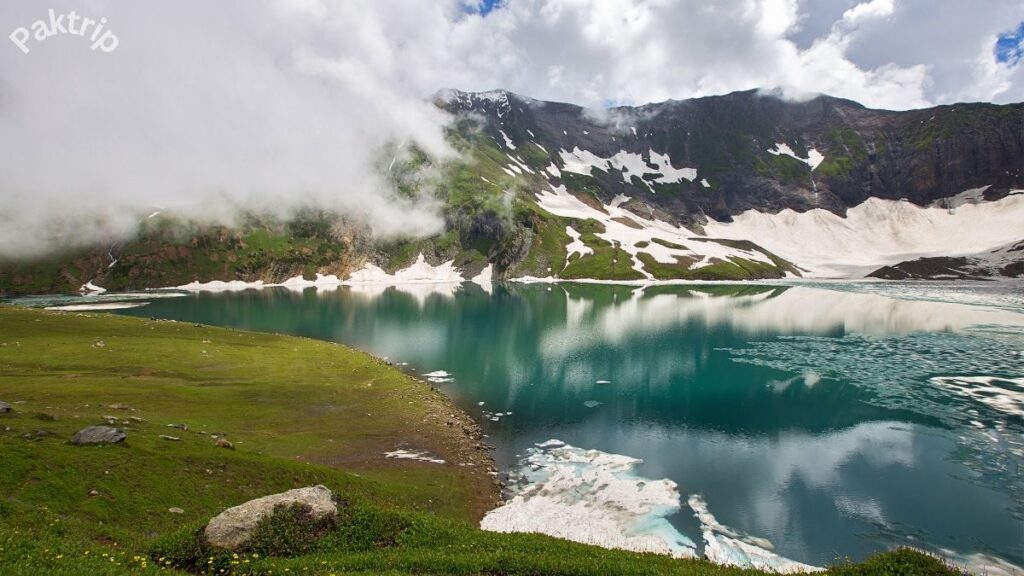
pixel 282 104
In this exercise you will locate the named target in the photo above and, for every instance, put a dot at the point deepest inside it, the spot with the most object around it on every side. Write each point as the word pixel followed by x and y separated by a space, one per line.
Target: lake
pixel 751 423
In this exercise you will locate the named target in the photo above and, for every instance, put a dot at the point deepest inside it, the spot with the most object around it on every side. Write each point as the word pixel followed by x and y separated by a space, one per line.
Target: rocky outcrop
pixel 1003 262
pixel 233 528
pixel 98 435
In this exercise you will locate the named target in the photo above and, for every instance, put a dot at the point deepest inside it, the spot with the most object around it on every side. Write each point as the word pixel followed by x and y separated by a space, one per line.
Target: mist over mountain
pixel 739 186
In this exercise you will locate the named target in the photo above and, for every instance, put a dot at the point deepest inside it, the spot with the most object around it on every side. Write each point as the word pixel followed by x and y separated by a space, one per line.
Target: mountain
pixel 740 186
pixel 1006 261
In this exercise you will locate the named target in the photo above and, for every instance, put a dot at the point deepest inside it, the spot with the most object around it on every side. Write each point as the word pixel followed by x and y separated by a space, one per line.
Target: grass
pixel 299 412
pixel 608 261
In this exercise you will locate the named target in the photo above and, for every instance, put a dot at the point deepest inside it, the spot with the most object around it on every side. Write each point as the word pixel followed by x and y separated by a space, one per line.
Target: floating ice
pixel 1004 395
pixel 592 403
pixel 723 545
pixel 439 377
pixel 591 497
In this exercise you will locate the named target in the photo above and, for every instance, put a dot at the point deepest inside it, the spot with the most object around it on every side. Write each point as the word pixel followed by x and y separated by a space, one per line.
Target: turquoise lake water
pixel 828 421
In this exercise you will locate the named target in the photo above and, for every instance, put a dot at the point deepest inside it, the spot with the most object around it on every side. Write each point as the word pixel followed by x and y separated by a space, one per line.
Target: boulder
pixel 233 527
pixel 98 435
pixel 4 407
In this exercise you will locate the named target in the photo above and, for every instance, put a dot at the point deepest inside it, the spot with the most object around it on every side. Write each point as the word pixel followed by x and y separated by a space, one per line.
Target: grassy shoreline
pixel 299 412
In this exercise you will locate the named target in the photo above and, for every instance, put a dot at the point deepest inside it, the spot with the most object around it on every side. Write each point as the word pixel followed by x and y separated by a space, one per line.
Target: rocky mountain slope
pixel 740 186
pixel 1005 261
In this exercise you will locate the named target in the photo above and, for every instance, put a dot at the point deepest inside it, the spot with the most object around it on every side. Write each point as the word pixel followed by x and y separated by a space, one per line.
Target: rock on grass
pixel 98 435
pixel 234 527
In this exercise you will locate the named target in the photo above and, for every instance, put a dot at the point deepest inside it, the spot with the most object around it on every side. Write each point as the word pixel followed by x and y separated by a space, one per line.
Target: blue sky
pixel 1010 46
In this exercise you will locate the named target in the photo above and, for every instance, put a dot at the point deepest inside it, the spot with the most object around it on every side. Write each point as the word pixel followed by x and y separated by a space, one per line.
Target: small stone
pixel 178 426
pixel 135 419
pixel 98 435
pixel 176 510
pixel 100 344
pixel 94 493
pixel 108 417
pixel 224 443
pixel 171 438
pixel 119 407
pixel 4 407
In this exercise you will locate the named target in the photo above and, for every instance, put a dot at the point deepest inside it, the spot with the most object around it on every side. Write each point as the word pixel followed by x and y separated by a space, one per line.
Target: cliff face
pixel 919 155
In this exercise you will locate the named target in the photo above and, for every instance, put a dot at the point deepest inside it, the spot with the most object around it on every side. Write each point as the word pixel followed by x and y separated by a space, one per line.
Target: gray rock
pixel 98 435
pixel 233 527
pixel 171 438
pixel 4 407
pixel 175 510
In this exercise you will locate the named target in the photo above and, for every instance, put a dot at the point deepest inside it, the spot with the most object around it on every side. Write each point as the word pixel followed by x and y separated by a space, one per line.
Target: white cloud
pixel 286 102
pixel 868 11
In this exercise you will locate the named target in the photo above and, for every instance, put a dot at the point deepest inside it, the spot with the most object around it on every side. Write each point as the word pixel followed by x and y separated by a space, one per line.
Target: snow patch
pixel 220 286
pixel 576 246
pixel 629 163
pixel 418 455
pixel 419 272
pixel 90 289
pixel 813 159
pixel 560 202
pixel 508 141
pixel 876 232
pixel 484 278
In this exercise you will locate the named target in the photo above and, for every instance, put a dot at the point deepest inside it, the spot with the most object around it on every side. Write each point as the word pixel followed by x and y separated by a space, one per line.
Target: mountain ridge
pixel 546 189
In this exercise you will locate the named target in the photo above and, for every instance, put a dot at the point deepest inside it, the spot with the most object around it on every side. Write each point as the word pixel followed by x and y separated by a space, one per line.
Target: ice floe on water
pixel 969 381
pixel 595 497
pixel 592 403
pixel 724 545
pixel 418 455
pixel 439 377
pixel 1004 395
pixel 591 497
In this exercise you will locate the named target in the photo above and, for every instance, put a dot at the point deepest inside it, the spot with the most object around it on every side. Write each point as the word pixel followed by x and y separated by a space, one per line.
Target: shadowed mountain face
pixel 731 143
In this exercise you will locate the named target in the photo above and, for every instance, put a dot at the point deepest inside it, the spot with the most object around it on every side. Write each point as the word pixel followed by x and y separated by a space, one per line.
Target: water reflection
pixel 805 416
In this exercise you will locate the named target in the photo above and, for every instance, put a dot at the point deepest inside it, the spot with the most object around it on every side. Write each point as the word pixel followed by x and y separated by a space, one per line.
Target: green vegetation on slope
pixel 299 412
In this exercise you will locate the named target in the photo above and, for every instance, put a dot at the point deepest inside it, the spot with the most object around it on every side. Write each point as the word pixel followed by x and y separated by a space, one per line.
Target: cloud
pixel 280 104
pixel 205 106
